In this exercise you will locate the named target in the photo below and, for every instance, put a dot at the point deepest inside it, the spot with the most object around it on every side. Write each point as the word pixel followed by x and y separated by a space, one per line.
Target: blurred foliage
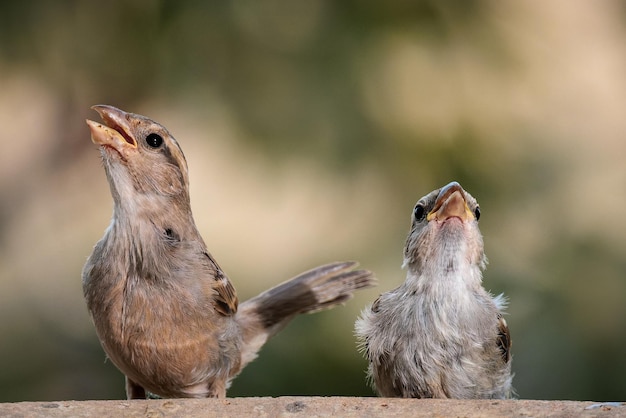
pixel 337 115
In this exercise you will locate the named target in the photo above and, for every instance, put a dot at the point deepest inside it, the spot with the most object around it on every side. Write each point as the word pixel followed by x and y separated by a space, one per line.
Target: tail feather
pixel 340 289
pixel 320 288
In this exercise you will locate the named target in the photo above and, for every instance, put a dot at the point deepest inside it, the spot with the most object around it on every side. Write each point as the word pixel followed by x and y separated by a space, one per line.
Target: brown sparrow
pixel 165 313
pixel 440 334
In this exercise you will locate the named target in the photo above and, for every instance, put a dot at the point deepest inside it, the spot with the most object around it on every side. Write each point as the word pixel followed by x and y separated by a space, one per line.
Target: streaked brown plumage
pixel 166 314
pixel 440 334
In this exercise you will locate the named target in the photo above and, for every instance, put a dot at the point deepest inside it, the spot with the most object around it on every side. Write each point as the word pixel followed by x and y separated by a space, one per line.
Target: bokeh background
pixel 311 127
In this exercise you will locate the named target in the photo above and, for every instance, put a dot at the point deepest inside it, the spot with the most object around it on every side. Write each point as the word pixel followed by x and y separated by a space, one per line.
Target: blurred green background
pixel 311 127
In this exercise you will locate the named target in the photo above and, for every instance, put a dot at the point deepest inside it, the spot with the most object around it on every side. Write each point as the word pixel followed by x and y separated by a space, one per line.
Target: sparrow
pixel 164 311
pixel 440 334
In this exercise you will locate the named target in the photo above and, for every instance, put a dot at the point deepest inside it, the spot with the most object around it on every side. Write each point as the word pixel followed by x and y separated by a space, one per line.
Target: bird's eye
pixel 171 236
pixel 419 212
pixel 154 140
pixel 477 213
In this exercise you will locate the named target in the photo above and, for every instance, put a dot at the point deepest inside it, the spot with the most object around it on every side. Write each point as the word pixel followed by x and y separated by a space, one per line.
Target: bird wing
pixel 381 372
pixel 376 305
pixel 226 302
pixel 364 338
pixel 504 339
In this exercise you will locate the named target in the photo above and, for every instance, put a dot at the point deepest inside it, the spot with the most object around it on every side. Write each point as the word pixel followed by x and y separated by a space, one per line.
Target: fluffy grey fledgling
pixel 440 334
pixel 165 313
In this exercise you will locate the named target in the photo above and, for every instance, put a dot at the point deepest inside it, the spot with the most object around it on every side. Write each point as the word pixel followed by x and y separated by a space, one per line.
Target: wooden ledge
pixel 302 406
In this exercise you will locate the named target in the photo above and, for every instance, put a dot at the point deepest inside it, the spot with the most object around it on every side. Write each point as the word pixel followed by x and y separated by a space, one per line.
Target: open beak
pixel 451 203
pixel 116 130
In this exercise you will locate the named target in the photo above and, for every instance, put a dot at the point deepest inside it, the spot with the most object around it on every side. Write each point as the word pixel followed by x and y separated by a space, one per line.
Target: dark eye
pixel 154 140
pixel 477 213
pixel 419 212
pixel 171 236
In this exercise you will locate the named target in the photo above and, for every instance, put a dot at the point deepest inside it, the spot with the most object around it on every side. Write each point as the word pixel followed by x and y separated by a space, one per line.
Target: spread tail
pixel 320 288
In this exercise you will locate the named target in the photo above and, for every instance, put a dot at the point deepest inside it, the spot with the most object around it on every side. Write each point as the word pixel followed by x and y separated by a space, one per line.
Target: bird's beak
pixel 116 131
pixel 451 203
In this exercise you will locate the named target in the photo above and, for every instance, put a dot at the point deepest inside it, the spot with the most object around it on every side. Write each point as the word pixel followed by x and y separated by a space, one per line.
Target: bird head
pixel 144 163
pixel 444 231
